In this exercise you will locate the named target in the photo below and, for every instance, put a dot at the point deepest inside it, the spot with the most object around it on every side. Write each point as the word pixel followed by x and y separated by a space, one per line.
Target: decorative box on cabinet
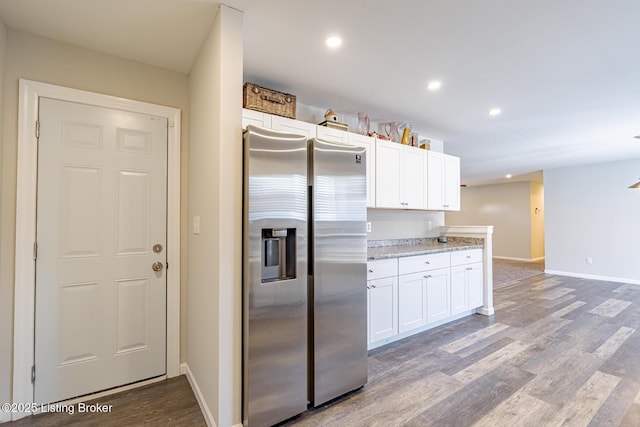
pixel 382 298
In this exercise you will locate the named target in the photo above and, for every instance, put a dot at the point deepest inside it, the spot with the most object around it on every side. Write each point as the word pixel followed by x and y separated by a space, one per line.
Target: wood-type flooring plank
pixel 558 351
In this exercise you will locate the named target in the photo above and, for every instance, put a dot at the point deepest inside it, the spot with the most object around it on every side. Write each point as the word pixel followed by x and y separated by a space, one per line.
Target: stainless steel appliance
pixel 304 274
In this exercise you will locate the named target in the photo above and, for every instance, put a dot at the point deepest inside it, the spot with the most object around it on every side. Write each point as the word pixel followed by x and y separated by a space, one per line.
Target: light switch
pixel 196 225
pixel 368 227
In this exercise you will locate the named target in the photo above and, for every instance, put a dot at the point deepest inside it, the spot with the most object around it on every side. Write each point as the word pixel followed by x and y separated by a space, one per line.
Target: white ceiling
pixel 566 74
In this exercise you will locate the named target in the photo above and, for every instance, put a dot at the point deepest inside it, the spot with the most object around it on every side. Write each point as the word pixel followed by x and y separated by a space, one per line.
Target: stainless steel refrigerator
pixel 304 274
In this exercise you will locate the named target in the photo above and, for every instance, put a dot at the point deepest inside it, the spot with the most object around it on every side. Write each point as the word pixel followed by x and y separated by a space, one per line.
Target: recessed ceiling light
pixel 508 176
pixel 434 85
pixel 495 112
pixel 333 42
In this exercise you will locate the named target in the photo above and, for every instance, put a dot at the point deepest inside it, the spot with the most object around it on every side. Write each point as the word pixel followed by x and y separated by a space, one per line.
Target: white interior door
pixel 101 226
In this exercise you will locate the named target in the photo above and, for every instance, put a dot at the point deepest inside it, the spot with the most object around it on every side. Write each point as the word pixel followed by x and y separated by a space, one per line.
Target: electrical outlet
pixel 368 227
pixel 589 260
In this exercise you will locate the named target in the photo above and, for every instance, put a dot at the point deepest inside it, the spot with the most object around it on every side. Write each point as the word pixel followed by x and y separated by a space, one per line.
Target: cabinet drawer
pixel 382 268
pixel 466 257
pixel 415 264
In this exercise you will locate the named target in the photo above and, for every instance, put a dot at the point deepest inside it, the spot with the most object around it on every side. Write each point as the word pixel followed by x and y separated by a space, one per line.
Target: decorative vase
pixel 392 131
pixel 363 124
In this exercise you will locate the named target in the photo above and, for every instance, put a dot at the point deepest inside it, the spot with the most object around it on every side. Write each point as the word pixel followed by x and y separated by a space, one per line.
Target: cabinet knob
pixel 373 286
pixel 468 256
pixel 428 276
pixel 427 262
pixel 370 271
pixel 469 268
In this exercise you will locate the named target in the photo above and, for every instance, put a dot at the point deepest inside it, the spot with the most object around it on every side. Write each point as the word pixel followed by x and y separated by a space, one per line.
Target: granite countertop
pixel 381 249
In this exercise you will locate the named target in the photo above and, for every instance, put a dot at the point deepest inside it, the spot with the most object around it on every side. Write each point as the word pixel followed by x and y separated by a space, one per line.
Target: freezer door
pixel 274 276
pixel 339 269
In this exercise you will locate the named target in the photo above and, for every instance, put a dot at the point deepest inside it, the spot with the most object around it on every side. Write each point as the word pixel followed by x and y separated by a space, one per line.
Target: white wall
pixel 401 224
pixel 43 60
pixel 505 206
pixel 6 291
pixel 590 212
pixel 215 196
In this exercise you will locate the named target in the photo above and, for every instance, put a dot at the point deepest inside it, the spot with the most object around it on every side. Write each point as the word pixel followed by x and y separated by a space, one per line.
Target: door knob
pixel 157 266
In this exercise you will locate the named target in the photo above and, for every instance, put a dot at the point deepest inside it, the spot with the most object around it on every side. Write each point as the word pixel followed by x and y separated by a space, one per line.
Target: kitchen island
pixel 418 284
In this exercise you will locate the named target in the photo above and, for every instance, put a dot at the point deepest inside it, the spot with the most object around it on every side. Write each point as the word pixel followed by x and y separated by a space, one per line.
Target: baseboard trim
pixel 594 277
pixel 5 417
pixel 206 413
pixel 519 259
pixel 486 311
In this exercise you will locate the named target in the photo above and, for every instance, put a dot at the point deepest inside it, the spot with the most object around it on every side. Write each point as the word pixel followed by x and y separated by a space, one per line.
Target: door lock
pixel 157 266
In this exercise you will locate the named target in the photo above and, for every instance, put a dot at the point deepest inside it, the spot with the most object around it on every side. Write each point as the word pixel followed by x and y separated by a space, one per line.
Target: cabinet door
pixel 459 289
pixel 451 183
pixel 388 161
pixel 438 294
pixel 383 303
pixel 369 144
pixel 412 301
pixel 284 124
pixel 332 135
pixel 475 284
pixel 435 173
pixel 256 118
pixel 413 180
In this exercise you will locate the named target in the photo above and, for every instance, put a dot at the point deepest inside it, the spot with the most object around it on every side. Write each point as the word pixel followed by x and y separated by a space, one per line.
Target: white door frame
pixel 27 168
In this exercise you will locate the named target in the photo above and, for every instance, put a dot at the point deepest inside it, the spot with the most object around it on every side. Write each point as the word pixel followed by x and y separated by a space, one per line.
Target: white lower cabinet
pixel 467 278
pixel 383 303
pixel 382 299
pixel 412 301
pixel 438 291
pixel 408 294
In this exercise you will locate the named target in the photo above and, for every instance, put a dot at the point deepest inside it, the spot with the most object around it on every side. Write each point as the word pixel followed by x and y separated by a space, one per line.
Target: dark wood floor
pixel 559 351
pixel 166 403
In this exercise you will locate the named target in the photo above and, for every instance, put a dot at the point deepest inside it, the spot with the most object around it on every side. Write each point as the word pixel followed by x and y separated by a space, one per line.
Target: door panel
pixel 100 308
pixel 412 301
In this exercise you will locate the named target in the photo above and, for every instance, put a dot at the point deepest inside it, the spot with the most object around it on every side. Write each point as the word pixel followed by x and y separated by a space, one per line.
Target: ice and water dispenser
pixel 278 254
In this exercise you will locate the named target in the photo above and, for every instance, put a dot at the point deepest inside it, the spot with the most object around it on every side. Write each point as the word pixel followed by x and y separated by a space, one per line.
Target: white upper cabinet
pixel 443 182
pixel 451 183
pixel 284 124
pixel 413 177
pixel 369 144
pixel 400 176
pixel 332 135
pixel 256 118
pixel 388 175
